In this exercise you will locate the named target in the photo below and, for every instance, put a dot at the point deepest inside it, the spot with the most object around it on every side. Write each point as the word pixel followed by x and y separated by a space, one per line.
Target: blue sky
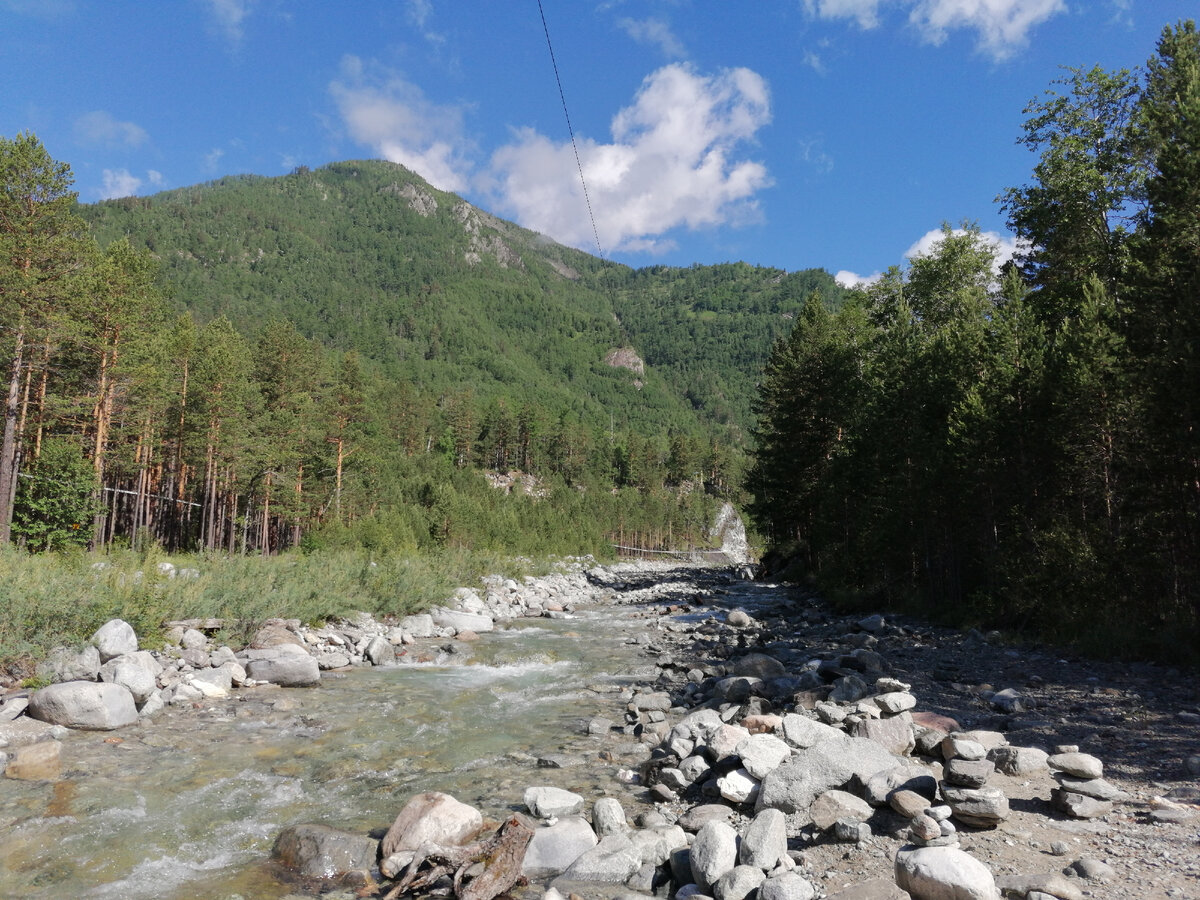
pixel 789 133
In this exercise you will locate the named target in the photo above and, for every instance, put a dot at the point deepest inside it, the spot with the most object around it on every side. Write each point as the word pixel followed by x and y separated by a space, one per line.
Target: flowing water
pixel 188 805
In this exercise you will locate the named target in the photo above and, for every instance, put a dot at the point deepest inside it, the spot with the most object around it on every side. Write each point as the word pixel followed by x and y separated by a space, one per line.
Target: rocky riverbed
pixel 749 743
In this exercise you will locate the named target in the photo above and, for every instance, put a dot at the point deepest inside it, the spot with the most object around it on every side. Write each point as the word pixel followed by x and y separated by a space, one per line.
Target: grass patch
pixel 61 599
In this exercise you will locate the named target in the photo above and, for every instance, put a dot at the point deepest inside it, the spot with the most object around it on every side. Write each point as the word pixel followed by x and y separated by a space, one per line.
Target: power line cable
pixel 558 80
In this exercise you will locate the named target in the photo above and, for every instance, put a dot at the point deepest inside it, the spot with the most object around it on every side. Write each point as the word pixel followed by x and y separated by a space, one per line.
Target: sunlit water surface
pixel 189 805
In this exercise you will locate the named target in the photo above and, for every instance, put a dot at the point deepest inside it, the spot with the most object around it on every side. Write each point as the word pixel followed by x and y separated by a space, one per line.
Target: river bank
pixel 651 630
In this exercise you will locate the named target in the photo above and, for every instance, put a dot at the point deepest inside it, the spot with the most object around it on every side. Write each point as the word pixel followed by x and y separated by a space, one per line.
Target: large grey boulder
pixel 318 851
pixel 286 665
pixel 738 883
pixel 786 886
pixel 834 806
pixel 462 621
pixel 64 664
pixel 84 704
pixel 810 772
pixel 114 638
pixel 761 754
pixel 655 845
pixel 554 848
pixel 418 626
pixel 612 861
pixel 608 817
pixel 380 652
pixel 714 852
pixel 764 842
pixel 803 732
pixel 132 674
pixel 432 817
pixel 944 873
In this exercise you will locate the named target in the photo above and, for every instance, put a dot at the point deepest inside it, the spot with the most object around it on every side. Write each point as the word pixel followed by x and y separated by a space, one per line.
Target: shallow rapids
pixel 188 805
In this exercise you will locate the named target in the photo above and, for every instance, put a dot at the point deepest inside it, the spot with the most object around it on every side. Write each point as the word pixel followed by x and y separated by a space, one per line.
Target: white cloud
pixel 865 12
pixel 155 178
pixel 119 183
pixel 654 31
pixel 672 162
pixel 849 279
pixel 212 159
pixel 419 12
pixel 1005 246
pixel 103 128
pixel 229 17
pixel 1002 25
pixel 393 117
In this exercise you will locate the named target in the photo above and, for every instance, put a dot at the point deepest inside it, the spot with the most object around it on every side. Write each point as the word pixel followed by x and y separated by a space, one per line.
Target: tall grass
pixel 61 599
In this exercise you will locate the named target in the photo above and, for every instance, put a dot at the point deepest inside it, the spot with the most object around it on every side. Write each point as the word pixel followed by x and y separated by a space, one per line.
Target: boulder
pixel 432 817
pixel 84 704
pixel 380 652
pixel 764 842
pixel 1079 765
pixel 968 772
pixel 786 886
pixel 114 638
pixel 459 620
pixel 275 633
pixel 1018 761
pixel 833 806
pixel 608 817
pixel 35 762
pixel 762 754
pixel 895 702
pixel 803 732
pixel 738 883
pixel 810 772
pixel 724 741
pixel 1079 806
pixel 612 861
pixel 737 786
pixel 980 807
pixel 318 851
pixel 714 853
pixel 894 734
pixel 655 845
pixel 418 626
pixel 283 665
pixel 554 848
pixel 64 664
pixel 944 873
pixel 548 802
pixel 1049 885
pixel 757 665
pixel 131 674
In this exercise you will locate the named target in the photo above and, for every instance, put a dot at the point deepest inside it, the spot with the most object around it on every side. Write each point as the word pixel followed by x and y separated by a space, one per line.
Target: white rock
pixel 944 873
pixel 114 638
pixel 762 754
pixel 546 802
pixel 737 786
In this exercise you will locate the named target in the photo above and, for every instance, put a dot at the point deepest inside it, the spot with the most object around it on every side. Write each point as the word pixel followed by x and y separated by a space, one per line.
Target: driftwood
pixel 500 857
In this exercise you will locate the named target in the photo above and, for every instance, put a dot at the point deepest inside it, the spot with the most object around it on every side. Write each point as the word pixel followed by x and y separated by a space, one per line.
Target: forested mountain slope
pixel 367 256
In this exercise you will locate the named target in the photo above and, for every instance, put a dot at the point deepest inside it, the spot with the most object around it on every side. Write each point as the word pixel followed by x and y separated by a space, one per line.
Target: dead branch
pixel 501 856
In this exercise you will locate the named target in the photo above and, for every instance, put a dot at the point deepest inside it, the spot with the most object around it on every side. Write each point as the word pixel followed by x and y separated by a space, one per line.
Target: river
pixel 188 804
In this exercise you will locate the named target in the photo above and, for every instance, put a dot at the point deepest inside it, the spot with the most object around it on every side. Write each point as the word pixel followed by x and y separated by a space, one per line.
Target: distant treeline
pixel 1022 450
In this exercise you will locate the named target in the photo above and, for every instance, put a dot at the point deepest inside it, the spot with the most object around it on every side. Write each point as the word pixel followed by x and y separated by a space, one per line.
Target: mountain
pixel 367 256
